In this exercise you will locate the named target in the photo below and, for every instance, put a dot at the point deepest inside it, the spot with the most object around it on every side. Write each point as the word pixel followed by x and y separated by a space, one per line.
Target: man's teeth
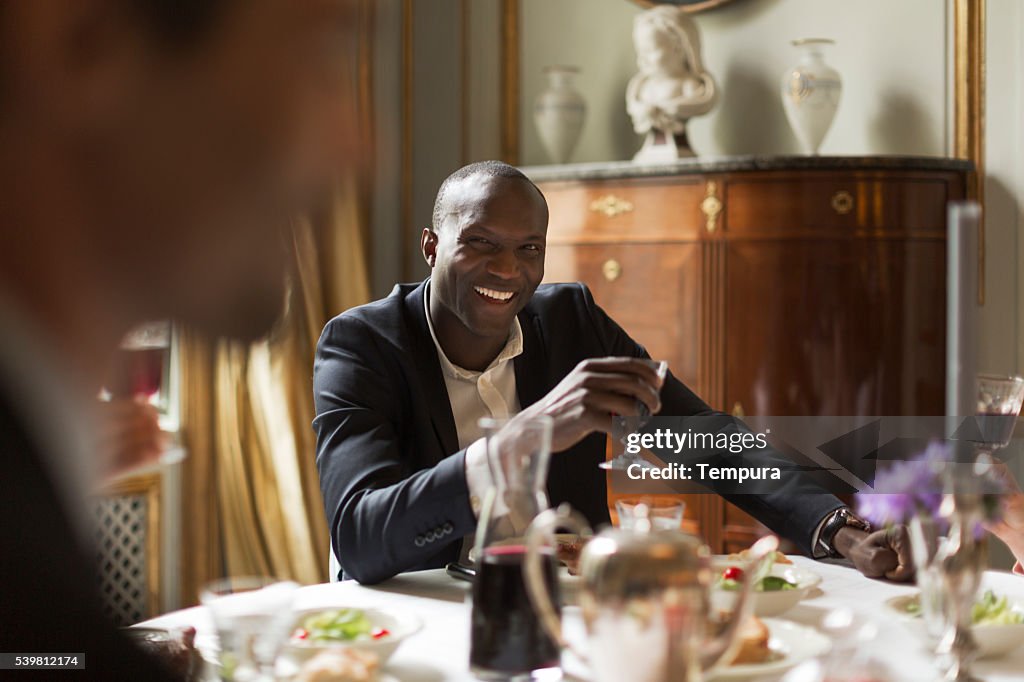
pixel 497 295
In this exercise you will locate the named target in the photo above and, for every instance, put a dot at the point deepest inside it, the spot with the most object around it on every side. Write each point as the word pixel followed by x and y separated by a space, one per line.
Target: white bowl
pixel 399 625
pixel 993 640
pixel 766 604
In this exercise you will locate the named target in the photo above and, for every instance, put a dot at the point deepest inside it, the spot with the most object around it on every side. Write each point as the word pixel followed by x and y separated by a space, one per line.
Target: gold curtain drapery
pixel 252 500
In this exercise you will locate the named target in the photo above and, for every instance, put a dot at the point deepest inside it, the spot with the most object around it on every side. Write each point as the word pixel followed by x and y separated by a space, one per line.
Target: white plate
pixel 993 640
pixel 795 643
pixel 766 604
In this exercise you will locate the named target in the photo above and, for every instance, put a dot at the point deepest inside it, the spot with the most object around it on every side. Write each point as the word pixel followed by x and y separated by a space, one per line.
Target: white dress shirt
pixel 474 395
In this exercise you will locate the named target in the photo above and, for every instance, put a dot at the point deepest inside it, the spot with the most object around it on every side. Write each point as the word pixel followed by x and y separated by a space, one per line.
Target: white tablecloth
pixel 440 651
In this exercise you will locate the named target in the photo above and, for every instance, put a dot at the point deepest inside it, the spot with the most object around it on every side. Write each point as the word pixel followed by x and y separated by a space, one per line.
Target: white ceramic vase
pixel 810 94
pixel 558 113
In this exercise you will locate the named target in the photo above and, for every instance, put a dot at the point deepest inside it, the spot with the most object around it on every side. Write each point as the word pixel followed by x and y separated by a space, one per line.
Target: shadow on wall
pixel 625 141
pixel 902 126
pixel 750 118
pixel 997 340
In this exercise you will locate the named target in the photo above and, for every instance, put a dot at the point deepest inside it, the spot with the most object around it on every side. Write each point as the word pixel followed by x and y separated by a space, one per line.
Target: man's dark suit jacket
pixel 48 600
pixel 391 472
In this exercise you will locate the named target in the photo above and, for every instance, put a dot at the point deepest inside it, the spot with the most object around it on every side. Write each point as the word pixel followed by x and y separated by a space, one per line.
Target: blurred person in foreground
pixel 151 152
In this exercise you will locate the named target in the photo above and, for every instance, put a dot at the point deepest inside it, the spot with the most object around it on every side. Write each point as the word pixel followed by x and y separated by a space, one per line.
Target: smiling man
pixel 400 384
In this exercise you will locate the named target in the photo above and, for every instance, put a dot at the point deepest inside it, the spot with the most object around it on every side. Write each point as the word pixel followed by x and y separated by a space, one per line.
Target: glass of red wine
pixel 999 403
pixel 139 372
pixel 141 363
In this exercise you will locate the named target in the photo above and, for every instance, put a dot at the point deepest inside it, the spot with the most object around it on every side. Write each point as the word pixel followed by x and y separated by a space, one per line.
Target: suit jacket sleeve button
pixel 419 541
pixel 448 528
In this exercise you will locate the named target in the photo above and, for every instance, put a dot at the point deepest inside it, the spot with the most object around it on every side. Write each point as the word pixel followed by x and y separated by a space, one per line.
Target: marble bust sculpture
pixel 671 85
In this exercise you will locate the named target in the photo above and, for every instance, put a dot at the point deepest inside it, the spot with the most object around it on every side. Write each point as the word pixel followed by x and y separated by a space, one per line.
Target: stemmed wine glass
pixel 999 401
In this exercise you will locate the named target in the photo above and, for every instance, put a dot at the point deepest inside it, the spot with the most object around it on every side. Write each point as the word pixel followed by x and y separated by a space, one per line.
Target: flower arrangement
pixel 917 487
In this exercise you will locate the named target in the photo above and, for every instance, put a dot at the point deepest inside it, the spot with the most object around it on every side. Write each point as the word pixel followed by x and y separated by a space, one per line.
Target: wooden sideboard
pixel 773 286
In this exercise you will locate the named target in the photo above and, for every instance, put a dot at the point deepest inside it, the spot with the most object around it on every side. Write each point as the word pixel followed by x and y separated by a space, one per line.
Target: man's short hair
pixel 486 169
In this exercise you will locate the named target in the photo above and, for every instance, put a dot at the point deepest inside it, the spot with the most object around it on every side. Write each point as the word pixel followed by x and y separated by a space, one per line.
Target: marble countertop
pixel 729 164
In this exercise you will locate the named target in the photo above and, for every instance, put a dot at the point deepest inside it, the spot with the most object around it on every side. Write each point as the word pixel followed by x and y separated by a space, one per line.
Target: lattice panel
pixel 121 538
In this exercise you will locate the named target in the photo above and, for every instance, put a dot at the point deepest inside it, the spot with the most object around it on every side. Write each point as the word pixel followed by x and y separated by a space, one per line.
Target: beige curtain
pixel 252 498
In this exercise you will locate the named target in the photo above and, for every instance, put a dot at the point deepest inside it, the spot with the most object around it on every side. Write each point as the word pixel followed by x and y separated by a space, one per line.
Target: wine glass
pixel 253 617
pixel 999 403
pixel 621 428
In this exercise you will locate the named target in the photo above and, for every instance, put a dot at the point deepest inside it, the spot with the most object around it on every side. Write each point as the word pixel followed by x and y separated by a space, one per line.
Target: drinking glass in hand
pixel 253 618
pixel 622 428
pixel 999 403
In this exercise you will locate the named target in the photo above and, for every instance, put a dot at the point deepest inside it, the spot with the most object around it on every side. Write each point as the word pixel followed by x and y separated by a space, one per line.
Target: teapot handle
pixel 540 533
pixel 726 642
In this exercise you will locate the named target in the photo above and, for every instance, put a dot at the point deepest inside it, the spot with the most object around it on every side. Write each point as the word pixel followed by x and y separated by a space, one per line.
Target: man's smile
pixel 495 296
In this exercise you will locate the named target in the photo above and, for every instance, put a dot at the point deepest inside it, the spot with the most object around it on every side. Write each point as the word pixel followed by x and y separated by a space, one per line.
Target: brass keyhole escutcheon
pixel 842 202
pixel 611 269
pixel 611 205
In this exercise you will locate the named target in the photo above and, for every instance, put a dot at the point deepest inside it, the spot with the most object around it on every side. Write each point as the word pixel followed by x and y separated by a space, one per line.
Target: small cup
pixel 663 514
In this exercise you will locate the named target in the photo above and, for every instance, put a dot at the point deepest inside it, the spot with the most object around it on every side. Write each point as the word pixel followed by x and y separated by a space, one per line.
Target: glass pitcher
pixel 506 637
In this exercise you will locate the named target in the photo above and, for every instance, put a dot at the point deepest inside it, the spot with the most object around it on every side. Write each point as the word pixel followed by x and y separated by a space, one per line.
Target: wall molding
pixel 969 107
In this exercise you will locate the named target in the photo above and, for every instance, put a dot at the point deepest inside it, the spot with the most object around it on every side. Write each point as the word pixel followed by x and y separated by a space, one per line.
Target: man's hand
pixel 884 553
pixel 586 399
pixel 129 435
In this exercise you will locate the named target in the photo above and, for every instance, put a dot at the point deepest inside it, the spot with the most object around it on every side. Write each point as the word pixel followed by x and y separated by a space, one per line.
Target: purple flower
pixel 917 486
pixel 906 488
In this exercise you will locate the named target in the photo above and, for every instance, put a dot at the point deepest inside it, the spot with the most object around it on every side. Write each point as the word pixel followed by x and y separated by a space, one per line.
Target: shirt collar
pixel 513 346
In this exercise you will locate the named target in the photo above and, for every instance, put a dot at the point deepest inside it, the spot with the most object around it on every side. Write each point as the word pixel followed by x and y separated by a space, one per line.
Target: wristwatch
pixel 840 518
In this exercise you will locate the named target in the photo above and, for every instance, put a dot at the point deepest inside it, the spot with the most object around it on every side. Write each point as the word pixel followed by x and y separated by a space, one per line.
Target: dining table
pixel 440 649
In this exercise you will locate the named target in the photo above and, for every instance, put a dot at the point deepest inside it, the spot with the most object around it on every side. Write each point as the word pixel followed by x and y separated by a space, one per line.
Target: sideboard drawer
pixel 601 212
pixel 846 204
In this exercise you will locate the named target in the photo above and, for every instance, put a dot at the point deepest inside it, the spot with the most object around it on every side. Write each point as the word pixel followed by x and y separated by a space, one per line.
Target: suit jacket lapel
pixel 531 364
pixel 429 369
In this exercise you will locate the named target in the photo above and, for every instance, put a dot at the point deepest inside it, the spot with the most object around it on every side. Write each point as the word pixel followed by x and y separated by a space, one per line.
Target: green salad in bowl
pixel 378 631
pixel 989 609
pixel 778 586
pixel 997 621
pixel 338 625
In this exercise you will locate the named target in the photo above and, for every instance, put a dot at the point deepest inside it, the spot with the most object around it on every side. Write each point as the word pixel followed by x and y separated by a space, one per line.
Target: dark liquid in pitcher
pixel 506 635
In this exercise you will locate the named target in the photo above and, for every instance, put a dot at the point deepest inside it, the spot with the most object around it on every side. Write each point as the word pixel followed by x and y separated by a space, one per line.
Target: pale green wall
pixel 891 55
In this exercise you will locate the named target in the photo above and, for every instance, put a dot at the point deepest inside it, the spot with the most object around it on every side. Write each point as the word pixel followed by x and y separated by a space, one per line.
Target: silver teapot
pixel 645 598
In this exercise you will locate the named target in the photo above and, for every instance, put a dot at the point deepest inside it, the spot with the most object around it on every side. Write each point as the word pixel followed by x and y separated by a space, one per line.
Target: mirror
pixel 687 5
